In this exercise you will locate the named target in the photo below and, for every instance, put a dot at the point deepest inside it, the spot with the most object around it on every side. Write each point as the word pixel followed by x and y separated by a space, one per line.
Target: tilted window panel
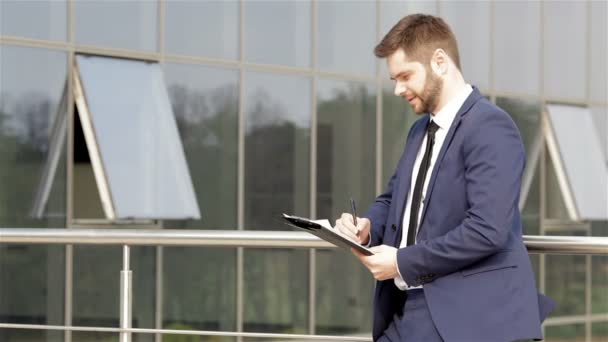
pixel 132 139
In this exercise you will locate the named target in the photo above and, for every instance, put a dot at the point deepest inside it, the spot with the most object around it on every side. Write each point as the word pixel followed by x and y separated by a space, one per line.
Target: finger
pixel 347 222
pixel 376 249
pixel 381 248
pixel 349 235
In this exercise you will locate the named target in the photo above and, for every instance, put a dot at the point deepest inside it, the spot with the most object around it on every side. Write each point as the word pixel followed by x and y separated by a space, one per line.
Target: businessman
pixel 450 262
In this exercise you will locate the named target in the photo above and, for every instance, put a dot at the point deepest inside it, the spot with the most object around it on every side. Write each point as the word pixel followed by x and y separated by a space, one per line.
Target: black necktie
pixel 424 167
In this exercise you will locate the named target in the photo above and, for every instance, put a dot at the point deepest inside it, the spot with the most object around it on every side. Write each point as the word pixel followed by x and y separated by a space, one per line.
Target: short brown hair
pixel 419 35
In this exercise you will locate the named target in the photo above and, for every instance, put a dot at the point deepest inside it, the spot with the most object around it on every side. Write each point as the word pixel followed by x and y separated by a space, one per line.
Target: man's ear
pixel 439 62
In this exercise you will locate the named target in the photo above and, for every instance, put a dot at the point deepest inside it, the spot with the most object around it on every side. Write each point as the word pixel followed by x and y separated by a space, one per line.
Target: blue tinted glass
pixel 346 36
pixel 277 143
pixel 34 19
pixel 286 39
pixel 118 24
pixel 202 28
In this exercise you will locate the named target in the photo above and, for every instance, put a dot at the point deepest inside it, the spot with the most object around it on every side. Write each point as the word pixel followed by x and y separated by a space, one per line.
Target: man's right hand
pixel 358 233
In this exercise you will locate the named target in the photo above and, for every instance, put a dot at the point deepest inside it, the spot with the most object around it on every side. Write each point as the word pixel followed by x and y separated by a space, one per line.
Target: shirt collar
pixel 446 115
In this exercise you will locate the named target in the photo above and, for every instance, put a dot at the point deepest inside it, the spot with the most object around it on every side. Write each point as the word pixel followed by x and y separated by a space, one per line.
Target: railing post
pixel 126 295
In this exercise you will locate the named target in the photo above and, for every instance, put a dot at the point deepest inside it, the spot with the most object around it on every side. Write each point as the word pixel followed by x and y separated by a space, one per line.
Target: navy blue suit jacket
pixel 469 253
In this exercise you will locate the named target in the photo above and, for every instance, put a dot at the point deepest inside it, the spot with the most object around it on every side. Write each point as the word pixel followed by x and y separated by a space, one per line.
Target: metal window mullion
pixel 69 249
pixel 161 28
pixel 379 113
pixel 158 308
pixel 35 43
pixel 312 256
pixel 241 177
pixel 492 78
pixel 588 288
pixel 542 212
pixel 588 52
pixel 541 55
pixel 159 259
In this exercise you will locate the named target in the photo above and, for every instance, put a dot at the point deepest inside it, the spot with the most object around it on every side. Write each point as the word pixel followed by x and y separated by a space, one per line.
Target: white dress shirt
pixel 443 119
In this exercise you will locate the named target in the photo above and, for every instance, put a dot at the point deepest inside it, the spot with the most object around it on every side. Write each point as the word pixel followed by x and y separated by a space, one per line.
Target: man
pixel 447 235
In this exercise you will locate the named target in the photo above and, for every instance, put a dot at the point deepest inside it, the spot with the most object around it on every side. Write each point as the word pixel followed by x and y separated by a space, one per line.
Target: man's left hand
pixel 383 264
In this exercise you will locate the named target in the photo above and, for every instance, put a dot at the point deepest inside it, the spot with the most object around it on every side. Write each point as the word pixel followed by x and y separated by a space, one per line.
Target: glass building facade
pixel 280 107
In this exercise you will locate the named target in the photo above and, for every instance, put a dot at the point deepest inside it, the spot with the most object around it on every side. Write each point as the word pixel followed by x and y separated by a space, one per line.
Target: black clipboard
pixel 324 230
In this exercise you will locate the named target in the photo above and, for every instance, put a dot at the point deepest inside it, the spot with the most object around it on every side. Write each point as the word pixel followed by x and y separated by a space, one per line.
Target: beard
pixel 429 98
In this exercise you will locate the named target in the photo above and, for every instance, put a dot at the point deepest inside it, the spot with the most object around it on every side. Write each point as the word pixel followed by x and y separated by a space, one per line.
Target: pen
pixel 354 210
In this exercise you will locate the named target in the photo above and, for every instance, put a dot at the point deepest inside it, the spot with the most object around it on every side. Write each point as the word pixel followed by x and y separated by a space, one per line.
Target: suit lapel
pixel 473 97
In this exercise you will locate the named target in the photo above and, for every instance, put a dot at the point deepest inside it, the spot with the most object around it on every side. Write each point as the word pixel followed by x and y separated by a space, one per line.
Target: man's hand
pixel 383 264
pixel 358 233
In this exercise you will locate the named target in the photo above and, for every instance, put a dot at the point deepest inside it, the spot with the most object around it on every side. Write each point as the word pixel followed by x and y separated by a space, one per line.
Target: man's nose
pixel 400 88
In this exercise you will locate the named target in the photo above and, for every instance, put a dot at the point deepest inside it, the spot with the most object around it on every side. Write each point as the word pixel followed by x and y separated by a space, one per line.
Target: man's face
pixel 415 82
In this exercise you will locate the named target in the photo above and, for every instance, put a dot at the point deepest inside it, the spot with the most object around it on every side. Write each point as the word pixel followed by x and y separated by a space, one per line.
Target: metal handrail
pixel 245 238
pixel 187 332
pixel 226 238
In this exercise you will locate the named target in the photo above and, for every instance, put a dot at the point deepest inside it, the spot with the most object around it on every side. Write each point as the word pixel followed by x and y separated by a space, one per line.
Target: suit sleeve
pixel 494 160
pixel 378 212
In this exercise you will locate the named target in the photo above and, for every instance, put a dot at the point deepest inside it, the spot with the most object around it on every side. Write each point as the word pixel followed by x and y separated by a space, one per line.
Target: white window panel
pixel 133 141
pixel 580 165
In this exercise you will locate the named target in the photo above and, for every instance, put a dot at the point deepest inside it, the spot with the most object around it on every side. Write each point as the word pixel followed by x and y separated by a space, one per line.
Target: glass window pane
pixel 565 333
pixel 31 289
pixel 277 143
pixel 34 19
pixel 470 21
pixel 343 307
pixel 346 146
pixel 97 286
pixel 599 331
pixel 565 54
pixel 192 338
pixel 391 12
pixel 202 28
pixel 92 336
pixel 23 335
pixel 137 137
pixel 205 104
pixel 526 115
pixel 118 24
pixel 599 51
pixel 599 274
pixel 276 291
pixel 199 295
pixel 31 85
pixel 565 281
pixel 346 36
pixel 599 284
pixel 286 39
pixel 516 47
pixel 397 119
